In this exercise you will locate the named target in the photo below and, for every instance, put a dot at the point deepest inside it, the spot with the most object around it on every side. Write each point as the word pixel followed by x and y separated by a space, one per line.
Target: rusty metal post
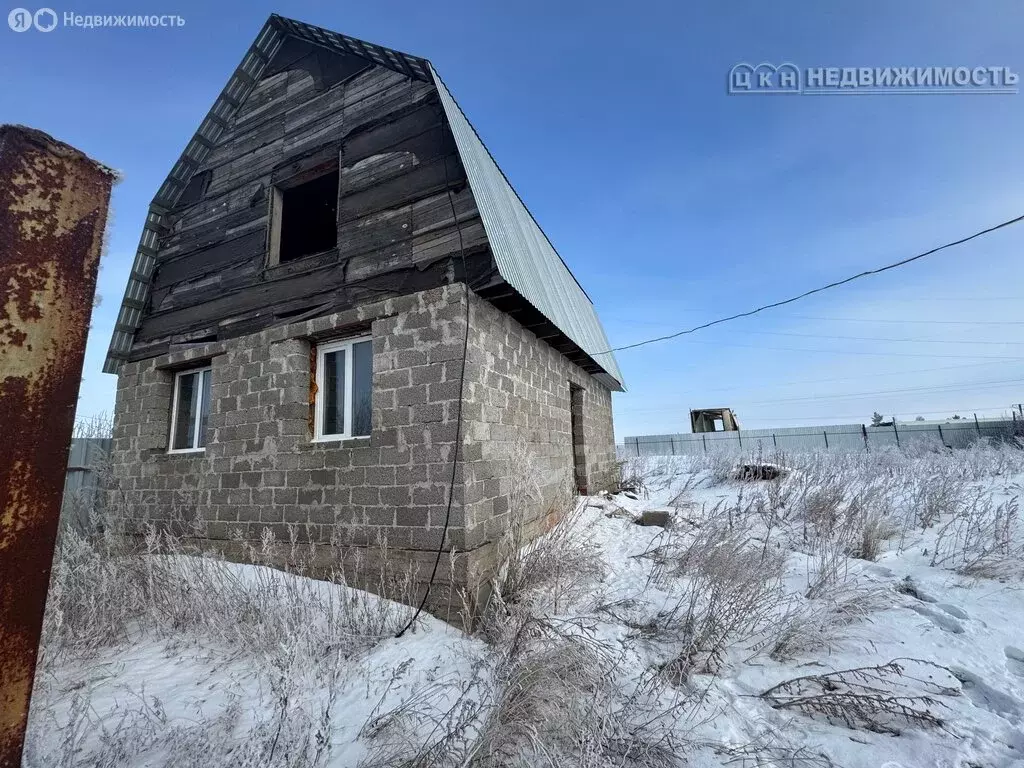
pixel 53 213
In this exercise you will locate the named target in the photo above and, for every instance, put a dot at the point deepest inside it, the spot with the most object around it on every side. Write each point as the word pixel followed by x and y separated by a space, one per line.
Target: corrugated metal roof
pixel 524 255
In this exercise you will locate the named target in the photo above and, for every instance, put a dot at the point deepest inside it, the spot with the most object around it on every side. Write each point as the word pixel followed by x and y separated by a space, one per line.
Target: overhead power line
pixel 829 416
pixel 972 342
pixel 935 390
pixel 932 390
pixel 882 338
pixel 901 322
pixel 842 351
pixel 858 377
pixel 834 284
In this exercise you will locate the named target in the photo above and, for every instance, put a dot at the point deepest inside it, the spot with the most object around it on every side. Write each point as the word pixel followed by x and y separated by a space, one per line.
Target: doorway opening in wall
pixel 579 459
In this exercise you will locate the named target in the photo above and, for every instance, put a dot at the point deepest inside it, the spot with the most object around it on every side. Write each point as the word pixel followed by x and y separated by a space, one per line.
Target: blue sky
pixel 672 201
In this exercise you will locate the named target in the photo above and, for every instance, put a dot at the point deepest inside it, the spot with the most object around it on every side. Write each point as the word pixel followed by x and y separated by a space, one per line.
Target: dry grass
pixel 773 572
pixel 982 538
pixel 727 589
pixel 112 592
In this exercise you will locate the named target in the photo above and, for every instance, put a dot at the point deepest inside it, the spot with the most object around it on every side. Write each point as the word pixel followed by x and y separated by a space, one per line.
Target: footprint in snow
pixel 984 695
pixel 910 587
pixel 941 620
pixel 952 610
pixel 1014 660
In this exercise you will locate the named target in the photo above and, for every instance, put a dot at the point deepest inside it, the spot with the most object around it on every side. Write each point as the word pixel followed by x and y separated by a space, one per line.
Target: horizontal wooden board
pixel 223 256
pixel 400 179
pixel 266 300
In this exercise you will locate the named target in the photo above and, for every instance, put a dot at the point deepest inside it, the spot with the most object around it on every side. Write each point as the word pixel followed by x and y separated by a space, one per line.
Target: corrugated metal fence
pixel 841 437
pixel 81 483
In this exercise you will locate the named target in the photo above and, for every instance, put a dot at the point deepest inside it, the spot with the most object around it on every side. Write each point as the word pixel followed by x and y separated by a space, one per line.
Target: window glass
pixel 191 410
pixel 185 413
pixel 334 393
pixel 204 408
pixel 362 384
pixel 344 399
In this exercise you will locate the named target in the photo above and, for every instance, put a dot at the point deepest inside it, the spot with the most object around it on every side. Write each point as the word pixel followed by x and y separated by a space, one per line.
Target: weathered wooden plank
pixel 370 84
pixel 237 147
pixel 418 131
pixel 251 315
pixel 379 232
pixel 415 182
pixel 375 169
pixel 349 117
pixel 434 245
pixel 268 93
pixel 357 236
pixel 375 227
pixel 389 243
pixel 254 161
pixel 212 208
pixel 230 223
pixel 435 212
pixel 299 98
pixel 386 228
pixel 224 255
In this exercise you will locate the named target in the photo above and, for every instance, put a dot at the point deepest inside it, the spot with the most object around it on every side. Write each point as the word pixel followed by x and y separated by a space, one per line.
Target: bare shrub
pixel 770 751
pixel 283 734
pixel 935 495
pixel 550 572
pixel 633 473
pixel 875 528
pixel 820 507
pixel 982 538
pixel 728 589
pixel 718 466
pixel 834 598
pixel 990 458
pixel 298 633
pixel 805 625
pixel 829 565
pixel 436 724
pixel 639 476
pixel 549 681
pixel 84 485
pixel 97 427
pixel 882 698
pixel 779 494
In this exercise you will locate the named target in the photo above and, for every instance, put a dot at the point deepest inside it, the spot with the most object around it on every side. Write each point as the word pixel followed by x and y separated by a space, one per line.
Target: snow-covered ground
pixel 192 698
pixel 906 608
pixel 611 643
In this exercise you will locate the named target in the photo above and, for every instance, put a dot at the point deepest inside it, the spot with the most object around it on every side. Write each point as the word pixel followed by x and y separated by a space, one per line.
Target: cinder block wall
pixel 261 470
pixel 518 388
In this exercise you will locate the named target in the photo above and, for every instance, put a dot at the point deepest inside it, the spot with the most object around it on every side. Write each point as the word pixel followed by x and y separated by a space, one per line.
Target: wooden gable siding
pixel 396 231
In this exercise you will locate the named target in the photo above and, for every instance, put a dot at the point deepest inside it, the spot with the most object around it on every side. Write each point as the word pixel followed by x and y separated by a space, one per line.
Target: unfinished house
pixel 714 420
pixel 342 317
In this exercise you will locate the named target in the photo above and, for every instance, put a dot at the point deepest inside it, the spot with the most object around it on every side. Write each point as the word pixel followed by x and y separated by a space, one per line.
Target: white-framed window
pixel 190 410
pixel 344 383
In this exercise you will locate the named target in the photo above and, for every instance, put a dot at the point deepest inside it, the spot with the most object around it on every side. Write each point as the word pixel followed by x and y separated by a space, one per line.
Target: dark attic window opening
pixel 309 218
